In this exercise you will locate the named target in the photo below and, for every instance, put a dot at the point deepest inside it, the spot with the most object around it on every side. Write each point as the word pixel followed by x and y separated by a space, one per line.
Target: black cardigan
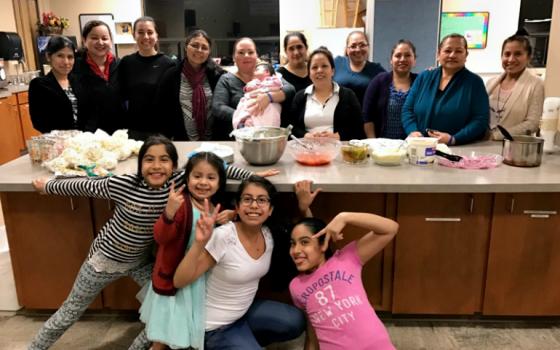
pixel 50 107
pixel 102 106
pixel 347 115
pixel 167 104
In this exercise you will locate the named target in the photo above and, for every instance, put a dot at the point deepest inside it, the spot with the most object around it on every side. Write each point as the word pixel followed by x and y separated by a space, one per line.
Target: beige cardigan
pixel 523 110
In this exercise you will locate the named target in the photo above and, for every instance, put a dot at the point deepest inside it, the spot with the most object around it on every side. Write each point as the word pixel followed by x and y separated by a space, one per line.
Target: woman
pixel 229 90
pixel 516 96
pixel 353 70
pixel 450 102
pixel 295 71
pixel 96 70
pixel 53 99
pixel 325 109
pixel 186 91
pixel 139 74
pixel 387 92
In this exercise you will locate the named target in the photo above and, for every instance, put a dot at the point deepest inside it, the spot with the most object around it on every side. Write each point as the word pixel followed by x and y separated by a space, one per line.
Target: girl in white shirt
pixel 237 255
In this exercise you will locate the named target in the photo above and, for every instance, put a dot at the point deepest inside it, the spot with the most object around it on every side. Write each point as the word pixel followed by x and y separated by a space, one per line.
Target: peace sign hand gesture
pixel 333 231
pixel 174 201
pixel 205 223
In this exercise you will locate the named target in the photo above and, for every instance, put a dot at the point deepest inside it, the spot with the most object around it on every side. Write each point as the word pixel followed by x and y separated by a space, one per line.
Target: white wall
pixel 305 16
pixel 7 20
pixel 122 10
pixel 504 17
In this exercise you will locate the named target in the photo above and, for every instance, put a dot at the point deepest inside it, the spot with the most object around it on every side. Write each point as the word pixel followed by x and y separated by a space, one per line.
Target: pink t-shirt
pixel 336 304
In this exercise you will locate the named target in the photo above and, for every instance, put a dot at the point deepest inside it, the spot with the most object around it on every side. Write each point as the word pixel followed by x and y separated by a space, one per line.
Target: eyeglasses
pixel 199 47
pixel 261 201
pixel 358 46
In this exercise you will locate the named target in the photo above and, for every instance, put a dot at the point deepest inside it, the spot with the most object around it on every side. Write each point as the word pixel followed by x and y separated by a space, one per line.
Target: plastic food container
pixel 314 151
pixel 421 150
pixel 355 152
pixel 389 157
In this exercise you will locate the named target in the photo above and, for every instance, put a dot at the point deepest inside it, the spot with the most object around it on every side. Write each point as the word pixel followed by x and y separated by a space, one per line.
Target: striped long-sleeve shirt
pixel 128 234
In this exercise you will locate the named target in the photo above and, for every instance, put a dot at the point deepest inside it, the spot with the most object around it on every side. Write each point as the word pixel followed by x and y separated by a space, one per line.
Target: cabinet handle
pixel 72 206
pixel 540 214
pixel 443 219
pixel 512 205
pixel 471 207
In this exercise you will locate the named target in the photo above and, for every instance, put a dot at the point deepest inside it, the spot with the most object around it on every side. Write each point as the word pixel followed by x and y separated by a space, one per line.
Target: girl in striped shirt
pixel 123 246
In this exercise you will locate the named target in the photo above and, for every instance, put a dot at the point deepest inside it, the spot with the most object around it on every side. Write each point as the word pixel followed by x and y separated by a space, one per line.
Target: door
pixel 524 259
pixel 441 252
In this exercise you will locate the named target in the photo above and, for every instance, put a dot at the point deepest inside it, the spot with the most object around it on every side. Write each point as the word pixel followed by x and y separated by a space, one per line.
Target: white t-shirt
pixel 232 283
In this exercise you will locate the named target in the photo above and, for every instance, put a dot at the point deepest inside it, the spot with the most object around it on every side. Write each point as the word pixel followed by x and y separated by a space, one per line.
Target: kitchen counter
pixel 16 176
pixel 470 242
pixel 13 89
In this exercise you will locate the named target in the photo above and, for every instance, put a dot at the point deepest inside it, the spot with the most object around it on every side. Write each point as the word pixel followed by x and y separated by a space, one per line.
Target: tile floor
pixel 116 331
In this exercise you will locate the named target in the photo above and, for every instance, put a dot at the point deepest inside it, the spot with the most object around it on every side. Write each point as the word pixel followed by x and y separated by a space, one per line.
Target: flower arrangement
pixel 52 24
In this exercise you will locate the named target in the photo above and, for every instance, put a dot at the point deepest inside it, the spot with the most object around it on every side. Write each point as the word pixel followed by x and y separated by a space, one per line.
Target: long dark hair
pixel 321 50
pixel 155 140
pixel 314 225
pixel 216 162
pixel 57 43
pixel 88 27
pixel 298 35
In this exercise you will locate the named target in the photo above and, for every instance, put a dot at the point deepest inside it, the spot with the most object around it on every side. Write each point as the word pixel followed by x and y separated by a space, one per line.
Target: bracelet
pixel 269 97
pixel 451 141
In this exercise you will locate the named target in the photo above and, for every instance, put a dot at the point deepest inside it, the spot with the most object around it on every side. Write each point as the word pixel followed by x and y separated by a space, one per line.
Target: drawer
pixel 11 100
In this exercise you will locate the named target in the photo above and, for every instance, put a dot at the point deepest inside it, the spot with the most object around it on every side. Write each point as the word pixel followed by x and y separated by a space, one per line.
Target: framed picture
pixel 472 25
pixel 124 33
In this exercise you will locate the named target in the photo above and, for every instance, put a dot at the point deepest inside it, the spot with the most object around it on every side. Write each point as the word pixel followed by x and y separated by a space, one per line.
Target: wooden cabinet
pixel 11 138
pixel 25 118
pixel 524 261
pixel 49 238
pixel 378 272
pixel 121 294
pixel 441 252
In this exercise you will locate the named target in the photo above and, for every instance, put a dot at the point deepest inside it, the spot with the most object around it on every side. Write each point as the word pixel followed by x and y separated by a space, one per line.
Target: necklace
pixel 500 110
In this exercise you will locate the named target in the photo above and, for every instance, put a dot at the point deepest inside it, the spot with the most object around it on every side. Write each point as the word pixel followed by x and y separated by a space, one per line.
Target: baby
pixel 265 81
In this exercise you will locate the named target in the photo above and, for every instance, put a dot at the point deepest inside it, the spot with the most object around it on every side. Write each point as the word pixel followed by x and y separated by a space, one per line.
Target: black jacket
pixel 347 115
pixel 102 106
pixel 49 106
pixel 167 104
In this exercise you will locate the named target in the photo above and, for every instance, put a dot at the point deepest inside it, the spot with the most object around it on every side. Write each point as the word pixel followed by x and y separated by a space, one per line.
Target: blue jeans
pixel 265 322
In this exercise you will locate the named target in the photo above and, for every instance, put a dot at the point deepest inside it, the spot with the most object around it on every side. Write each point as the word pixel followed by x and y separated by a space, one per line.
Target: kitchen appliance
pixel 10 46
pixel 262 145
pixel 523 151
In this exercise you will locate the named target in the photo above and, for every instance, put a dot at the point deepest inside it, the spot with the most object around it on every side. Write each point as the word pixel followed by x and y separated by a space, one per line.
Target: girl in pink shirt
pixel 330 289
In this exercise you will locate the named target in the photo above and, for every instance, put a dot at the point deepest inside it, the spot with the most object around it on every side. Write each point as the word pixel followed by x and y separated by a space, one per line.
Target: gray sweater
pixel 228 92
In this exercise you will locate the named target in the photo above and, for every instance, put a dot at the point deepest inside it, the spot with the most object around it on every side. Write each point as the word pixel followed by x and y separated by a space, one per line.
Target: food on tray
pixel 474 161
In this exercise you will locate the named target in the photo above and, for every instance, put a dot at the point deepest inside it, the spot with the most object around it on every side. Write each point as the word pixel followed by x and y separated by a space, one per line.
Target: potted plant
pixel 51 24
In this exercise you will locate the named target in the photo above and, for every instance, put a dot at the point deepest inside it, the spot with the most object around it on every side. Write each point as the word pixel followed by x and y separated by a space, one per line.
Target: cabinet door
pixel 26 124
pixel 441 252
pixel 121 294
pixel 11 139
pixel 524 261
pixel 376 274
pixel 49 238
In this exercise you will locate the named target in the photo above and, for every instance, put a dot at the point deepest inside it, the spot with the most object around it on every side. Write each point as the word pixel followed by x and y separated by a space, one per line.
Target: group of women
pixel 346 97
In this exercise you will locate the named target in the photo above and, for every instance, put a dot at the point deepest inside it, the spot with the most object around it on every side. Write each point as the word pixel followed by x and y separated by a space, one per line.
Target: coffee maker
pixel 11 51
